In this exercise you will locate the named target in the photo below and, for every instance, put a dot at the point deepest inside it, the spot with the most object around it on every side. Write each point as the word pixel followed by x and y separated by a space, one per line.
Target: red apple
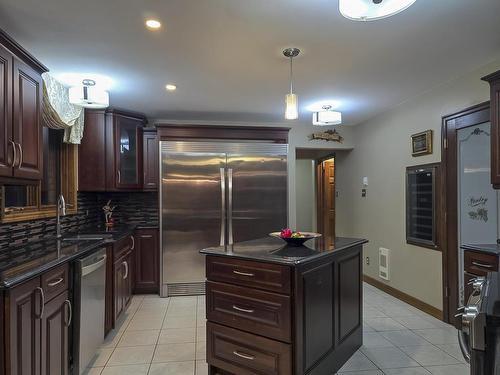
pixel 286 233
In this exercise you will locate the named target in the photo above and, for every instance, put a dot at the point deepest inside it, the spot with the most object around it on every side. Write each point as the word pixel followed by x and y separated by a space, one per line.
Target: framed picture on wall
pixel 421 143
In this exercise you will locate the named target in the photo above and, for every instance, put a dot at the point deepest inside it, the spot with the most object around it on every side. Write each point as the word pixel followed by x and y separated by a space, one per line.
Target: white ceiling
pixel 225 55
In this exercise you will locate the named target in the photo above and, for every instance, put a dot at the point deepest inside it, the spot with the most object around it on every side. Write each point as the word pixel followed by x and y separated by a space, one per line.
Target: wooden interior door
pixel 326 199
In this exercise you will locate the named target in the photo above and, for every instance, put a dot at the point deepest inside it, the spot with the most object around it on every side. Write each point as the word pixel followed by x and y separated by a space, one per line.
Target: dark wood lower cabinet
pixel 146 264
pixel 23 329
pixel 289 319
pixel 36 330
pixel 55 328
pixel 122 271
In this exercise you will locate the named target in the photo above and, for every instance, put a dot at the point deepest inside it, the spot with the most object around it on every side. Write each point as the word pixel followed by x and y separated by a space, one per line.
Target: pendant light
pixel 291 100
pixel 370 10
pixel 88 95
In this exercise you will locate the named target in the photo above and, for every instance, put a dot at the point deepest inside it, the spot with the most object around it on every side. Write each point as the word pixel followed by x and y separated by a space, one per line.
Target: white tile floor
pixel 167 337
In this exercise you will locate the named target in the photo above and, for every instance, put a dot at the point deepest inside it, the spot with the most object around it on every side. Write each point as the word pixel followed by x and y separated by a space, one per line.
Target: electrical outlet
pixel 367 261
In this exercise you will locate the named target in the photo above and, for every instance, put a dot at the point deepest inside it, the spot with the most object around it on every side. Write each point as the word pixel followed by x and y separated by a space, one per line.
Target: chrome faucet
pixel 61 211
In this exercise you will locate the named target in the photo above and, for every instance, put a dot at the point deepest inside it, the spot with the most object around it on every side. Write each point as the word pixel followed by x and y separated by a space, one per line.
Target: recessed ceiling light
pixel 153 24
pixel 171 87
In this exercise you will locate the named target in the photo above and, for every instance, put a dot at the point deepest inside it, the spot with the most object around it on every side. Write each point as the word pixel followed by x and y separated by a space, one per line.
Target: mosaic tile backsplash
pixel 131 208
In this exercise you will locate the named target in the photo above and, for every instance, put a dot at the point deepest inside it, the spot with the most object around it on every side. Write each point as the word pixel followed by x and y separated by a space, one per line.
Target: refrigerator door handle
pixel 230 204
pixel 223 205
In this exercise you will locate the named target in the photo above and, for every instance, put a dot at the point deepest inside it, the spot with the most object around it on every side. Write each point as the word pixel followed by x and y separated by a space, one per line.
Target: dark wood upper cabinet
pixel 494 81
pixel 6 145
pixel 92 153
pixel 146 263
pixel 21 145
pixel 110 154
pixel 150 159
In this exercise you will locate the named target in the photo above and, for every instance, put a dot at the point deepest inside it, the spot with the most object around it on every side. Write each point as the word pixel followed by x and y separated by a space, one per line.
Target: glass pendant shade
pixel 291 107
pixel 369 10
pixel 325 118
pixel 89 97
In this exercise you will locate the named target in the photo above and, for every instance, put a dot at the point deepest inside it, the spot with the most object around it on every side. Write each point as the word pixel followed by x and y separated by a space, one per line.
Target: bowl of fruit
pixel 294 238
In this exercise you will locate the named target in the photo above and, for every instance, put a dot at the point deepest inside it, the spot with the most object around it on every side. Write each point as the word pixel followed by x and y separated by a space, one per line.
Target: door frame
pixel 471 116
pixel 320 198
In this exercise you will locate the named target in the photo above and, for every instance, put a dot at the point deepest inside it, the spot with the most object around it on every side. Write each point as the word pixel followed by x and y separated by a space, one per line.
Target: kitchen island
pixel 277 309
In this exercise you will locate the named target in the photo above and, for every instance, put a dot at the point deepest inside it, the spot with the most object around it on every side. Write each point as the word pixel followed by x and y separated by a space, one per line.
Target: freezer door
pixel 192 209
pixel 257 195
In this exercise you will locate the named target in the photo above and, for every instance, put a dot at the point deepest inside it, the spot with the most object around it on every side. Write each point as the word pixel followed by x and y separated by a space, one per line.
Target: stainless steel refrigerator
pixel 216 193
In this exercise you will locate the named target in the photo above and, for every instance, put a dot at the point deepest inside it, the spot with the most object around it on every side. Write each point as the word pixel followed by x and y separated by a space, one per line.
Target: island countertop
pixel 275 250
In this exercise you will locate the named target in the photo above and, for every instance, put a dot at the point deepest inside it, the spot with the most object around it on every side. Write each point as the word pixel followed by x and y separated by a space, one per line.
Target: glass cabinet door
pixel 128 152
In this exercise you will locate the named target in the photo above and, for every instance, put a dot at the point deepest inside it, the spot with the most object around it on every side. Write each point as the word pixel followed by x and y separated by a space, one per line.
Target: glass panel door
pixel 477 200
pixel 128 152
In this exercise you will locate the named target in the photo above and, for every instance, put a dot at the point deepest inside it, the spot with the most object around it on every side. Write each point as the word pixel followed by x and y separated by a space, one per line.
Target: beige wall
pixel 382 153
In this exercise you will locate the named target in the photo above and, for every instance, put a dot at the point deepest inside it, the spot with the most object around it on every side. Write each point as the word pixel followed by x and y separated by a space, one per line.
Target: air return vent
pixel 383 263
pixel 185 289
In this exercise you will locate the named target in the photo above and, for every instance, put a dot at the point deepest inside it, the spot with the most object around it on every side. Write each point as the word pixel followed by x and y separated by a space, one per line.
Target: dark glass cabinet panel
pixel 127 152
pixel 421 205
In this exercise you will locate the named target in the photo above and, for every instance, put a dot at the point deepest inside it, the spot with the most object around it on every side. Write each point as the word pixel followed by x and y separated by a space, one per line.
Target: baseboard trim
pixel 415 302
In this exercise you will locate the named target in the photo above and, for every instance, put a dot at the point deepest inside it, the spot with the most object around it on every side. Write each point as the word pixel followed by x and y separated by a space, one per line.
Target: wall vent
pixel 383 263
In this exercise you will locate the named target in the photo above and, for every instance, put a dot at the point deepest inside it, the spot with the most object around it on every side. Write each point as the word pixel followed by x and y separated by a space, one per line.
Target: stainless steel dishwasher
pixel 89 301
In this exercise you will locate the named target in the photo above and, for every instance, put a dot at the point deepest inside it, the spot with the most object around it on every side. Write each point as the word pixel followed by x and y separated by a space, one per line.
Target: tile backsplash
pixel 131 208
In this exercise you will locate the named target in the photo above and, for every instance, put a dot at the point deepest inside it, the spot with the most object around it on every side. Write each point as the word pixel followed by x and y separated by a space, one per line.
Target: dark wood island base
pixel 282 310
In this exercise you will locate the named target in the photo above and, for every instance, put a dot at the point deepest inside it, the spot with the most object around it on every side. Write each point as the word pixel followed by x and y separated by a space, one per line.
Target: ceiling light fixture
pixel 171 87
pixel 153 24
pixel 291 100
pixel 327 117
pixel 88 95
pixel 370 10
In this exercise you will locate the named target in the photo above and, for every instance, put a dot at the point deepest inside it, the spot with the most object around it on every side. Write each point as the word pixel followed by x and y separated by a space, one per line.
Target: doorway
pixel 325 199
pixel 471 203
pixel 315 187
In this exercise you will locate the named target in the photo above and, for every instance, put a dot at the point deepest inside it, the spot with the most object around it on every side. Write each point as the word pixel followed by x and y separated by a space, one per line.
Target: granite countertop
pixel 275 250
pixel 33 258
pixel 487 248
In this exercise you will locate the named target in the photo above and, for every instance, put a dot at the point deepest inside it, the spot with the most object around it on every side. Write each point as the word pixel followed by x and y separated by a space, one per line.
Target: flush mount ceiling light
pixel 153 24
pixel 370 10
pixel 171 87
pixel 87 95
pixel 291 100
pixel 327 117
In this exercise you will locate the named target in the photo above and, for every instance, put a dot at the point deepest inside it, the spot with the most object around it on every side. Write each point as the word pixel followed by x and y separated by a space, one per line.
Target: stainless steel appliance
pixel 216 193
pixel 90 287
pixel 479 336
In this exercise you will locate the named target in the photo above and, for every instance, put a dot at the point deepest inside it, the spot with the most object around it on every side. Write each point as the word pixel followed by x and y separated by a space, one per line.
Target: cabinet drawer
pixel 246 354
pixel 251 310
pixel 123 246
pixel 272 277
pixel 55 281
pixel 480 264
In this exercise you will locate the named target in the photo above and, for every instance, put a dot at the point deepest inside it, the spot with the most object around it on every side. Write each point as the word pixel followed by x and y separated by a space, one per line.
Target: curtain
pixel 59 113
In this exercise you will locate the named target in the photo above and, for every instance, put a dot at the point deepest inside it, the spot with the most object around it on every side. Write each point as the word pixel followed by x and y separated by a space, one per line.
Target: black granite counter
pixel 29 260
pixel 487 248
pixel 275 250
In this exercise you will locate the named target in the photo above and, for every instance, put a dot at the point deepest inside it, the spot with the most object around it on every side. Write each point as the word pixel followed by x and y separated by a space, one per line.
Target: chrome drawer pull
pixel 244 356
pixel 477 264
pixel 243 310
pixel 54 283
pixel 70 309
pixel 14 156
pixel 243 273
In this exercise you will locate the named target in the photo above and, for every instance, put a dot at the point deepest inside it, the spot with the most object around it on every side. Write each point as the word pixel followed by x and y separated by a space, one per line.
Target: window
pixel 422 203
pixel 39 199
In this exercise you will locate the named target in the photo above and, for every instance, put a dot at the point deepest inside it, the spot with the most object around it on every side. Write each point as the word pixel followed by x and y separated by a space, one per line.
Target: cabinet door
pixel 6 146
pixel 55 327
pixel 150 160
pixel 27 127
pixel 127 279
pixel 146 263
pixel 128 152
pixel 25 310
pixel 118 273
pixel 495 132
pixel 92 153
